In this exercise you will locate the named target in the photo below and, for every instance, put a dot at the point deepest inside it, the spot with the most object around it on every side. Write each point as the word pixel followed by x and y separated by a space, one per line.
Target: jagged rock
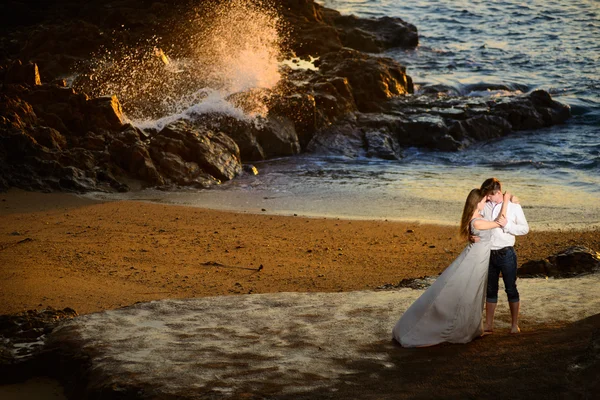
pixel 375 121
pixel 301 108
pixel 478 128
pixel 106 113
pixel 448 123
pixel 49 137
pixel 428 131
pixel 242 132
pixel 141 165
pixel 93 141
pixel 258 139
pixel 333 97
pixel 374 35
pixel 22 340
pixel 573 261
pixel 60 108
pixel 15 113
pixel 76 180
pixel 277 136
pixel 317 30
pixel 20 73
pixel 78 157
pixel 184 151
pixel 342 139
pixel 453 123
pixel 310 34
pixel 179 171
pixel 382 144
pixel 372 80
pixel 532 111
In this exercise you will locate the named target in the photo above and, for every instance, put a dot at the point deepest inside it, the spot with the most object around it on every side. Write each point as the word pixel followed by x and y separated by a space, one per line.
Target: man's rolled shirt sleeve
pixel 517 225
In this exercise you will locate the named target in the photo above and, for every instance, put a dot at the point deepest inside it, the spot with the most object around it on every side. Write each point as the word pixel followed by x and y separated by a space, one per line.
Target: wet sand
pixel 63 250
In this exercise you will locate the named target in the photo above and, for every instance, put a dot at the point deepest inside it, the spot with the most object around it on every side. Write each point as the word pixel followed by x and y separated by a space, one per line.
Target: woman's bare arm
pixel 499 222
pixel 483 225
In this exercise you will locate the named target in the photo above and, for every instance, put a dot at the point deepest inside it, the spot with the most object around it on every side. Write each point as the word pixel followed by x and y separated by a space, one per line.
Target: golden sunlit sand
pixel 61 251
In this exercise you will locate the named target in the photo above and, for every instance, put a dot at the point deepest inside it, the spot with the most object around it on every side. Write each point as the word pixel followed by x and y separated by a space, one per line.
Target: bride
pixel 451 309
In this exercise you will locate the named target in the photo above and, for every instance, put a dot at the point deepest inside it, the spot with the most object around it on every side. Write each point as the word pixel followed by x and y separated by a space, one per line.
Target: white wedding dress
pixel 450 310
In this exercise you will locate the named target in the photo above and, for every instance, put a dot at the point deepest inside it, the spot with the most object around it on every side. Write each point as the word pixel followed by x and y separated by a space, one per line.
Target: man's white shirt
pixel 516 224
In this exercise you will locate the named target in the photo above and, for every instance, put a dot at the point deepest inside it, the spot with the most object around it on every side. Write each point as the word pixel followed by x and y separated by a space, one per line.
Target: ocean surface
pixel 467 46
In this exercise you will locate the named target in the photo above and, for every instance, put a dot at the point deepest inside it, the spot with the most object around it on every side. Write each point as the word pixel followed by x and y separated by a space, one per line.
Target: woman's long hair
pixel 473 199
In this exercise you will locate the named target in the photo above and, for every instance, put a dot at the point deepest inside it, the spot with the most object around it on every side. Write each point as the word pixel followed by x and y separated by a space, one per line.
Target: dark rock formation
pixel 341 139
pixel 185 154
pixel 411 283
pixel 371 81
pixel 317 30
pixel 22 340
pixel 376 35
pixel 447 123
pixel 52 138
pixel 573 261
pixel 258 138
pixel 352 104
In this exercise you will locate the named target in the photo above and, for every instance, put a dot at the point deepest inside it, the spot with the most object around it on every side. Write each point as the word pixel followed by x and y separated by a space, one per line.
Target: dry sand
pixel 64 251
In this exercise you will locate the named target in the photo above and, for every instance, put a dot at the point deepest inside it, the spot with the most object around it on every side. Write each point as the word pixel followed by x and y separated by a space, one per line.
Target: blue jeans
pixel 502 261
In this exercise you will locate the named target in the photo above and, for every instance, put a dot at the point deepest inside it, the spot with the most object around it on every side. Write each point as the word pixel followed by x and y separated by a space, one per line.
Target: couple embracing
pixel 451 309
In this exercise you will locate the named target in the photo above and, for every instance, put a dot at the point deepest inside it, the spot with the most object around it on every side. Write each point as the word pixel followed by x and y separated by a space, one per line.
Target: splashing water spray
pixel 231 67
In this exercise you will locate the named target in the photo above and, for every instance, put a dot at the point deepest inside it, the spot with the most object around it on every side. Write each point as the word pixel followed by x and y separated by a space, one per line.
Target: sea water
pixel 474 48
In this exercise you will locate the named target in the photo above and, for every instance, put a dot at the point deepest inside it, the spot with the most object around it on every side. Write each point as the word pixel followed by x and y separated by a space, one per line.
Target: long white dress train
pixel 451 309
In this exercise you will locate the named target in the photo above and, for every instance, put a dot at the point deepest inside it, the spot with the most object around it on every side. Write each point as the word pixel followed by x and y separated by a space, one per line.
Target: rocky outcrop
pixel 259 138
pixel 371 81
pixel 573 261
pixel 53 138
pixel 352 104
pixel 447 124
pixel 316 30
pixel 187 155
pixel 22 340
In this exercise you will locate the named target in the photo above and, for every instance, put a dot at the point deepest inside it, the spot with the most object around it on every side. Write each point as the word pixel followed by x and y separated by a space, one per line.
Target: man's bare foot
pixel 486 332
pixel 515 329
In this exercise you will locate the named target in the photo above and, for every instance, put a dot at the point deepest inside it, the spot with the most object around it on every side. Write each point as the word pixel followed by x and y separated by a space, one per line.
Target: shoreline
pixel 404 208
pixel 62 250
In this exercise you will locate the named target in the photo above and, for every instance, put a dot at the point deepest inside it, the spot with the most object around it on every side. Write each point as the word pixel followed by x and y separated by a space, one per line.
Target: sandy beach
pixel 62 250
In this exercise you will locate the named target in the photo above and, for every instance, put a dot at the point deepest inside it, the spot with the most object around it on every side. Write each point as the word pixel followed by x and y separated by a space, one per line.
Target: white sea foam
pixel 302 341
pixel 209 101
pixel 236 50
pixel 298 63
pixel 493 93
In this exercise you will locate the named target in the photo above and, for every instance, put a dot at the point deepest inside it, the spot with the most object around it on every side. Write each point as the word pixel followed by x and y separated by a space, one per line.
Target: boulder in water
pixel 341 139
pixel 317 30
pixel 372 80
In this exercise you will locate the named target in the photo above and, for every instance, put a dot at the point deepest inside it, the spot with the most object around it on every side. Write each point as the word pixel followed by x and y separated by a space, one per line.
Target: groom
pixel 503 258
